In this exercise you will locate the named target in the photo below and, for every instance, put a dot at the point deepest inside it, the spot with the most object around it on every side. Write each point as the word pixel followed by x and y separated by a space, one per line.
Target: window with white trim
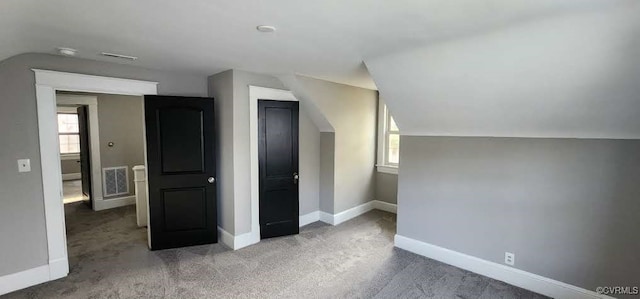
pixel 388 141
pixel 392 141
pixel 68 133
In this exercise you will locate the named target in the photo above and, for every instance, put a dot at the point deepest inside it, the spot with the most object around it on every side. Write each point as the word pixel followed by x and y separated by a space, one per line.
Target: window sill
pixel 387 169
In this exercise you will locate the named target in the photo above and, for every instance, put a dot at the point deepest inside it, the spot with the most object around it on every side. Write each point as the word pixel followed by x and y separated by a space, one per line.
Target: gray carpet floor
pixel 109 259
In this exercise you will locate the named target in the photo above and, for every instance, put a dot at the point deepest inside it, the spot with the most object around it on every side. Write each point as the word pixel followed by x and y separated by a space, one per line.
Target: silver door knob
pixel 295 177
pixel 211 180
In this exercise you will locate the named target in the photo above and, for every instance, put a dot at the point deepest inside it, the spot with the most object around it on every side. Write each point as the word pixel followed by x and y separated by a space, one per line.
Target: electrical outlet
pixel 509 258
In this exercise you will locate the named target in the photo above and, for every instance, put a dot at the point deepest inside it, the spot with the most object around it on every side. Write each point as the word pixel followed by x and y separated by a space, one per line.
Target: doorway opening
pixel 100 141
pixel 73 114
pixel 70 161
pixel 48 84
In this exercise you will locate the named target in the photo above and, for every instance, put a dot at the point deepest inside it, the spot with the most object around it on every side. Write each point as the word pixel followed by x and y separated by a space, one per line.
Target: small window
pixel 68 133
pixel 392 141
pixel 388 141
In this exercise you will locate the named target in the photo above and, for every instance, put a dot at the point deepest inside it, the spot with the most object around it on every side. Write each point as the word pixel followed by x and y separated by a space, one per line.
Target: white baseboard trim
pixel 326 217
pixel 71 176
pixel 237 242
pixel 352 213
pixel 244 240
pixel 58 268
pixel 225 238
pixel 24 279
pixel 513 276
pixel 385 206
pixel 104 204
pixel 335 219
pixel 309 218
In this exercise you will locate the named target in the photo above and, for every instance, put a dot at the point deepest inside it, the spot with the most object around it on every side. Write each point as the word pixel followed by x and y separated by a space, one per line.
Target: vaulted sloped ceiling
pixel 323 39
pixel 572 73
pixel 545 68
pixel 309 103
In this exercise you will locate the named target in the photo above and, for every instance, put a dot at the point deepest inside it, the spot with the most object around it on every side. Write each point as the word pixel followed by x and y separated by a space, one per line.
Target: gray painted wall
pixel 568 208
pixel 565 207
pixel 327 171
pixel 387 187
pixel 309 162
pixel 351 111
pixel 70 166
pixel 221 89
pixel 121 122
pixel 21 197
pixel 231 90
pixel 241 155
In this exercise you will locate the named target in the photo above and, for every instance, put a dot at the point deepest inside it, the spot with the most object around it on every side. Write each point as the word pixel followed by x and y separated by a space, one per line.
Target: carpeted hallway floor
pixel 109 259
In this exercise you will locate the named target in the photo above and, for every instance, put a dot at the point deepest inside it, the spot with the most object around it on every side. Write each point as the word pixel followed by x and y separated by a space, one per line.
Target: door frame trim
pixel 256 93
pixel 47 82
pixel 94 139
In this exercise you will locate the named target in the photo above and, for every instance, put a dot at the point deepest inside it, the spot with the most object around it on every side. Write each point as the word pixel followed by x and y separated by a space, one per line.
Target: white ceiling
pixel 326 39
pixel 574 73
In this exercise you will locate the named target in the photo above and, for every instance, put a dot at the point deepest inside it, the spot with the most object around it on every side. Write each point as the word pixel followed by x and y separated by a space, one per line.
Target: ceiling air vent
pixel 120 56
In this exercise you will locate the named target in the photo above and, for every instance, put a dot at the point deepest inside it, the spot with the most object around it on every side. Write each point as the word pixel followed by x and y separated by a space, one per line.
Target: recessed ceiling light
pixel 67 51
pixel 266 28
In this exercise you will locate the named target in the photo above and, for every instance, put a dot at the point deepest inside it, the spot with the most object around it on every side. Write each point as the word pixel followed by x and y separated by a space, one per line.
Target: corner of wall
pixel 220 87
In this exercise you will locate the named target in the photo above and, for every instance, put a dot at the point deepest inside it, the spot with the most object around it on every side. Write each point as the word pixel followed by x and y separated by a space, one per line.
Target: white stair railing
pixel 142 203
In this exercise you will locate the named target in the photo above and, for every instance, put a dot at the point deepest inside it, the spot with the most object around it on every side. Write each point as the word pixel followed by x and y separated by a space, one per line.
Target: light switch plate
pixel 24 165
